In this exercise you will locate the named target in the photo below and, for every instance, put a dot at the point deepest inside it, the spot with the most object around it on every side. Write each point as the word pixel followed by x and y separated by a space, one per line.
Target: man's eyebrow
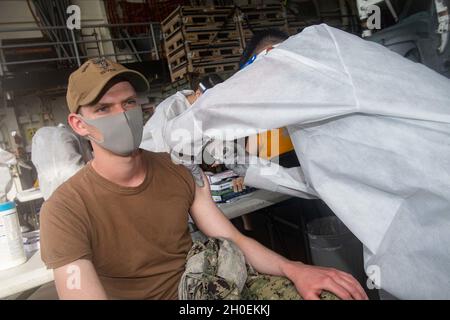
pixel 106 104
pixel 101 104
pixel 130 97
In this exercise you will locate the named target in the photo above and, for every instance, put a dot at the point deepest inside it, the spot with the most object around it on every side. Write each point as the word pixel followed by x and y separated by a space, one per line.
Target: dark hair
pixel 261 39
pixel 208 81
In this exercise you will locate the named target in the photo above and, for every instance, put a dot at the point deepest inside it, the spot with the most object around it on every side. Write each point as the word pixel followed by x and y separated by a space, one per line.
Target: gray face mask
pixel 122 133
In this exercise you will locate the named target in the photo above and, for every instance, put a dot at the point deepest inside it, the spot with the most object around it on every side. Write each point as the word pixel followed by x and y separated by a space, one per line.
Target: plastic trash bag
pixel 57 153
pixel 6 159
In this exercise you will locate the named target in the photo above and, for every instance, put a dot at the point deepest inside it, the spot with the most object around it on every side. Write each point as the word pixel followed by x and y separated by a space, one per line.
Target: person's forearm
pixel 213 223
pixel 261 258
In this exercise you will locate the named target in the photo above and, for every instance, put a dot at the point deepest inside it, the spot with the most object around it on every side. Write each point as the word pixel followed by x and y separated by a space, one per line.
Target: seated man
pixel 119 227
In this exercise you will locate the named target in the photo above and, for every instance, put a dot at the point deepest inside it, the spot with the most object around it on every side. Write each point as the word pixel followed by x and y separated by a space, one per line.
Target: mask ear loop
pixel 89 137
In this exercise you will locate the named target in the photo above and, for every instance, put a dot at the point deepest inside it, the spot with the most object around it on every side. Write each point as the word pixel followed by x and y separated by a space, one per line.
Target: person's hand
pixel 239 169
pixel 231 155
pixel 238 184
pixel 310 281
pixel 215 164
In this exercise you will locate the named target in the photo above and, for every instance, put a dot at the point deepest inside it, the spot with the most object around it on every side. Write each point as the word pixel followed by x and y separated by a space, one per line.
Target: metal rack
pixel 80 41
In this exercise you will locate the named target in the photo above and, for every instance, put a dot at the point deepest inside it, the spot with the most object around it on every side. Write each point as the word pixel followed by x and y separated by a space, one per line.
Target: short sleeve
pixel 184 175
pixel 64 234
pixel 188 179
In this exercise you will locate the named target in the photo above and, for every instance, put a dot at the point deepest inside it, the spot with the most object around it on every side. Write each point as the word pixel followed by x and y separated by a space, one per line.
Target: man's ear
pixel 78 125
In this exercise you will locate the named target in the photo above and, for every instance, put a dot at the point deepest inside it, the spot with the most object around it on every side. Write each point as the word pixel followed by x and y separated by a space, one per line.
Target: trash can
pixel 333 245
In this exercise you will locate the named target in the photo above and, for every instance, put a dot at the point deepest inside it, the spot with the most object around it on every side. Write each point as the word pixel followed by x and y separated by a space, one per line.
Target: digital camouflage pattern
pixel 216 270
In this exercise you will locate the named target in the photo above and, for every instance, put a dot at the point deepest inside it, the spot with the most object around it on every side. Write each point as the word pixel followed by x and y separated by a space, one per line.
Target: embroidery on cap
pixel 85 67
pixel 103 64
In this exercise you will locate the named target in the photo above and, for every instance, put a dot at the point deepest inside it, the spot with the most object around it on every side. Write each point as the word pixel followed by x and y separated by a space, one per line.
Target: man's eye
pixel 102 109
pixel 131 102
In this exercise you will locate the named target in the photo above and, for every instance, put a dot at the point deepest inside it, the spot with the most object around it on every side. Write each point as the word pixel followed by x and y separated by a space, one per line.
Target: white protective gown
pixel 152 138
pixel 372 132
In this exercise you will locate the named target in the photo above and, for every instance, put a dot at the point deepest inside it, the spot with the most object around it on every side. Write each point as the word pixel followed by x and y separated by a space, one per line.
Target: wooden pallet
pixel 184 70
pixel 257 26
pixel 195 57
pixel 229 37
pixel 207 20
pixel 173 44
pixel 198 20
pixel 172 22
pixel 224 37
pixel 264 12
pixel 195 27
pixel 216 68
pixel 202 53
pixel 215 17
pixel 212 17
pixel 179 73
pixel 177 59
pixel 191 10
pixel 213 52
pixel 211 39
pixel 212 36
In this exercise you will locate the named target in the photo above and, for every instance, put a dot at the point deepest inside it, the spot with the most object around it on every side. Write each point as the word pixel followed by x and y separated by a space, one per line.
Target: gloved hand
pixel 235 158
pixel 239 169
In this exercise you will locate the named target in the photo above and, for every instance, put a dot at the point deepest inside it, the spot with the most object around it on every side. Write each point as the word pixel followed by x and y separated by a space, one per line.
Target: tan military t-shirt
pixel 136 237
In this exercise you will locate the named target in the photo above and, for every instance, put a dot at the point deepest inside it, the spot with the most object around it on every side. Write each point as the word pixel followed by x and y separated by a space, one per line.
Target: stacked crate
pixel 258 17
pixel 295 25
pixel 201 40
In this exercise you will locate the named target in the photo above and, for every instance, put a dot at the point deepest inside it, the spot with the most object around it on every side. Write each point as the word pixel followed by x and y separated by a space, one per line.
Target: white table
pixel 28 275
pixel 33 273
pixel 29 195
pixel 251 202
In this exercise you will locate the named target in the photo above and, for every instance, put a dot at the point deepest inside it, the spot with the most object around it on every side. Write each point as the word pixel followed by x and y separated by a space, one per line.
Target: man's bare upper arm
pixel 208 217
pixel 78 281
